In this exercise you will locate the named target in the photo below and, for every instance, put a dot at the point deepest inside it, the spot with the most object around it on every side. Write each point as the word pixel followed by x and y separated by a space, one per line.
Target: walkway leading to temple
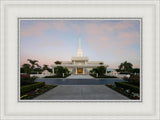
pixel 81 92
pixel 79 77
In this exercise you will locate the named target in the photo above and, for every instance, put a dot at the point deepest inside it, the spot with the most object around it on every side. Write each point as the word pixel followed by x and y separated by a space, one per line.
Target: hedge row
pixel 125 85
pixel 28 88
pixel 103 76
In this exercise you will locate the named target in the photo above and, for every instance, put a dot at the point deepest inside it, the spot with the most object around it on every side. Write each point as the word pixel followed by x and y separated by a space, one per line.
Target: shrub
pixel 59 70
pixel 134 79
pixel 28 88
pixel 127 92
pixel 26 79
pixel 125 78
pixel 101 70
pixel 25 76
pixel 126 85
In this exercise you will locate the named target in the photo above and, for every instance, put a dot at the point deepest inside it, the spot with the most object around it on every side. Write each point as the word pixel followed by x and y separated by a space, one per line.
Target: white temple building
pixel 79 64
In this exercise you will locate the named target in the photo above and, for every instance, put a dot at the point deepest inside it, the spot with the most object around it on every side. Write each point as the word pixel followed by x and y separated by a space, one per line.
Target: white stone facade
pixel 79 64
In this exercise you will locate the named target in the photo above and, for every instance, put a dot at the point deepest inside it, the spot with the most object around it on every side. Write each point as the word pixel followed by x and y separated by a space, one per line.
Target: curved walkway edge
pixel 81 92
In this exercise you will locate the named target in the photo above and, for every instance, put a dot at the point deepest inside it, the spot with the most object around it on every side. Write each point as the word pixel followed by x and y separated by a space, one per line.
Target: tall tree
pixel 59 70
pixel 101 70
pixel 26 68
pixel 136 70
pixel 45 67
pixel 38 70
pixel 125 67
pixel 33 63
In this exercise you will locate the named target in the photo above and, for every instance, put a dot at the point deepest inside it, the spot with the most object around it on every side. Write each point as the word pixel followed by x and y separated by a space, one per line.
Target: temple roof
pixel 80 58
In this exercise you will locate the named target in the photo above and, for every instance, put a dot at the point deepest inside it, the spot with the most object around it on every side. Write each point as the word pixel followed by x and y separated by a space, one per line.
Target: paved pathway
pixel 81 92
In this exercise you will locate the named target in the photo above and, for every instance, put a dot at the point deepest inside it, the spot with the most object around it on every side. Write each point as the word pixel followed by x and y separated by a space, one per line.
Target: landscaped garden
pixel 30 89
pixel 129 88
pixel 34 68
pixel 60 72
pixel 100 72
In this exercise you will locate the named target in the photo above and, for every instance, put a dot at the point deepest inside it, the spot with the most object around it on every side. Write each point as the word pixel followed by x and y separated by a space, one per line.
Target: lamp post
pixel 97 75
pixel 53 70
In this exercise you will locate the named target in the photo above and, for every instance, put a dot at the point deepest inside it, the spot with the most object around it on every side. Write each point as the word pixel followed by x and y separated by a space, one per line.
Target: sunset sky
pixel 110 41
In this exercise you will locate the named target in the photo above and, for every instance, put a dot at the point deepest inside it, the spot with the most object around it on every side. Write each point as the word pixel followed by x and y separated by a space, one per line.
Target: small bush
pixel 27 88
pixel 125 78
pixel 26 79
pixel 25 76
pixel 126 85
pixel 133 79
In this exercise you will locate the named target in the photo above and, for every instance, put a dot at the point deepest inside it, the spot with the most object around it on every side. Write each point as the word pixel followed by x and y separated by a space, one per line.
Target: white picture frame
pixel 147 109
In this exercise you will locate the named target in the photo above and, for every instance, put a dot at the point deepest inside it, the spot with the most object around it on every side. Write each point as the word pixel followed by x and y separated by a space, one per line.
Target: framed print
pixel 79 60
pixel 82 73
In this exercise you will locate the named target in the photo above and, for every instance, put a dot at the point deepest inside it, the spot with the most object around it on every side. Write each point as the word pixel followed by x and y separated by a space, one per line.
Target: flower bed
pixel 27 88
pixel 127 92
pixel 33 93
pixel 26 79
pixel 126 85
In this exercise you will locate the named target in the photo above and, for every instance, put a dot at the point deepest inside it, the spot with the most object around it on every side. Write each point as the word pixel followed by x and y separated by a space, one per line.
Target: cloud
pixel 35 30
pixel 59 25
pixel 112 38
pixel 50 41
pixel 121 25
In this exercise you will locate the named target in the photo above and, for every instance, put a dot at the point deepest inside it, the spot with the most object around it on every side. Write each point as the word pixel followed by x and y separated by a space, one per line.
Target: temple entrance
pixel 79 70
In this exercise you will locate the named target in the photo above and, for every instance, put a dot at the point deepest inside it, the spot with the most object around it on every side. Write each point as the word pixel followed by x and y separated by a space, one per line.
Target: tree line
pixel 33 67
pixel 127 67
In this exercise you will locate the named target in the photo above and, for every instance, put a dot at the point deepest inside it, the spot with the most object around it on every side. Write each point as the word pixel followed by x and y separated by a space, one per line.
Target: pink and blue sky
pixel 110 41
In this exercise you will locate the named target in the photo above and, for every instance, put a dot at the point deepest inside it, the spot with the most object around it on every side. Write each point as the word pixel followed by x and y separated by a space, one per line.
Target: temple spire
pixel 79 52
pixel 79 42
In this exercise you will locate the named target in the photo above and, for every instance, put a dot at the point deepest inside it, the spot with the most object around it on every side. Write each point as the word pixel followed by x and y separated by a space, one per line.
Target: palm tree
pixel 26 68
pixel 38 66
pixel 33 63
pixel 125 67
pixel 101 70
